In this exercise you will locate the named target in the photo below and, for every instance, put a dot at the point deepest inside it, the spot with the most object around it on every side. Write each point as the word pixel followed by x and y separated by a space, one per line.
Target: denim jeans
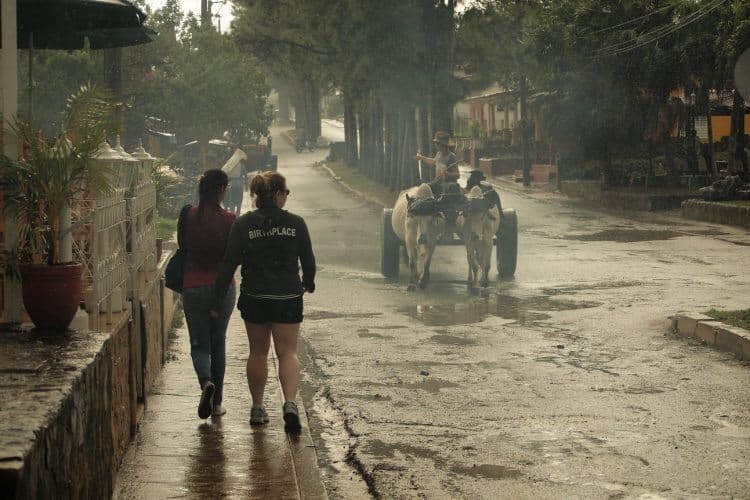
pixel 208 335
pixel 235 192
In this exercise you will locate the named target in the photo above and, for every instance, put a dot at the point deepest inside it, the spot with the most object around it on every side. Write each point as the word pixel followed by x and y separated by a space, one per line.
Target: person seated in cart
pixel 444 162
pixel 477 178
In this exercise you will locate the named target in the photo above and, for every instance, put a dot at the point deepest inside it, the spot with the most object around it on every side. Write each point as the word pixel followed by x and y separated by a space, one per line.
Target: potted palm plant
pixel 39 186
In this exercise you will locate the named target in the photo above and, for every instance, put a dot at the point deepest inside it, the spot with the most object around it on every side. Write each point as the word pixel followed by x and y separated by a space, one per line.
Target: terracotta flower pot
pixel 51 294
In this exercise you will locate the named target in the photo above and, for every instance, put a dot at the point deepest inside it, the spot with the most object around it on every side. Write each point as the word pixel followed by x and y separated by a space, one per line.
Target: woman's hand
pixel 309 287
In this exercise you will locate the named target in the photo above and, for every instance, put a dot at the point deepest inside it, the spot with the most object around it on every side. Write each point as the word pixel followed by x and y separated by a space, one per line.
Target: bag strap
pixel 181 229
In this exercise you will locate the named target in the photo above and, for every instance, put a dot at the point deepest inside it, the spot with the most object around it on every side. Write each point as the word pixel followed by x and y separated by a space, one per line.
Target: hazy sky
pixel 225 11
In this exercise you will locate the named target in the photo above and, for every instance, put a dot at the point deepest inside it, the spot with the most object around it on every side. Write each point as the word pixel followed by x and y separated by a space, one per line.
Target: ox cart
pixel 449 206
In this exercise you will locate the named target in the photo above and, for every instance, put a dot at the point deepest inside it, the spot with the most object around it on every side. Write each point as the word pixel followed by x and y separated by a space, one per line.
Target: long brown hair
pixel 210 186
pixel 264 186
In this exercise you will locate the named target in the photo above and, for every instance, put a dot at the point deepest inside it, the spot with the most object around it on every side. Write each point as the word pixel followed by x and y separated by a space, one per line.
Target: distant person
pixel 263 143
pixel 444 162
pixel 207 229
pixel 270 244
pixel 236 169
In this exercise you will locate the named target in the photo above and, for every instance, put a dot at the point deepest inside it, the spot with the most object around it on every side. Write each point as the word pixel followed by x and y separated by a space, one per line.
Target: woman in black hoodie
pixel 270 244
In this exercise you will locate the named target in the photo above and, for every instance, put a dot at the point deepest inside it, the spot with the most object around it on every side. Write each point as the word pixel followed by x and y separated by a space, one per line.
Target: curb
pixel 360 194
pixel 304 456
pixel 713 333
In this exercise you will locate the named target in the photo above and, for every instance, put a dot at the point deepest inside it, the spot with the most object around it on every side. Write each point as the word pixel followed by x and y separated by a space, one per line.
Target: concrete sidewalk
pixel 177 455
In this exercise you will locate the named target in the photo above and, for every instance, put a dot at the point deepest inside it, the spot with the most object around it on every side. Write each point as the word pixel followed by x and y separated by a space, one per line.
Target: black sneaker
pixel 291 417
pixel 207 400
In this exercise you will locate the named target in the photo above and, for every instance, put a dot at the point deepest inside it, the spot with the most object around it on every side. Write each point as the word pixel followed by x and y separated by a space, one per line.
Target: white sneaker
pixel 218 411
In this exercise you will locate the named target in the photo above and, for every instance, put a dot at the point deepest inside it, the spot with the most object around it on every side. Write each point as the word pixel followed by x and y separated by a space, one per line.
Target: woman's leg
pixel 219 344
pixel 285 337
pixel 257 362
pixel 198 322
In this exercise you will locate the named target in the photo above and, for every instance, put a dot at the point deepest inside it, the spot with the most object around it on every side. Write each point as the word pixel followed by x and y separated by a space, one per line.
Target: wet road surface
pixel 561 383
pixel 564 382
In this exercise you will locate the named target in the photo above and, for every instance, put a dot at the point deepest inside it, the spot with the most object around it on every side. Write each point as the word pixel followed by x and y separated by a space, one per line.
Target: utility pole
pixel 524 125
pixel 205 12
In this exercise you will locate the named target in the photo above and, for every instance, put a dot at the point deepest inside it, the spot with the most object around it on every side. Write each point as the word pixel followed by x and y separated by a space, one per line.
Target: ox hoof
pixel 485 283
pixel 411 287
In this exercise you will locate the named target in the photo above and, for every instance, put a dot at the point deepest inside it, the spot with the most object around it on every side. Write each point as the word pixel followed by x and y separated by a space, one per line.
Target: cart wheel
pixel 507 244
pixel 391 243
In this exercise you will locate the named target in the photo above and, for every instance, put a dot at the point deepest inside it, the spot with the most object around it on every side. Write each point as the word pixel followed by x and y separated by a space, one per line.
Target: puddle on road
pixel 523 310
pixel 452 340
pixel 487 471
pixel 382 449
pixel 582 287
pixel 320 314
pixel 626 235
pixel 367 334
pixel 433 385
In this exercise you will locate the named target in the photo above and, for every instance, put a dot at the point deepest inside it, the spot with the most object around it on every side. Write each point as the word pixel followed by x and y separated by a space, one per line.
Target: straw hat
pixel 442 138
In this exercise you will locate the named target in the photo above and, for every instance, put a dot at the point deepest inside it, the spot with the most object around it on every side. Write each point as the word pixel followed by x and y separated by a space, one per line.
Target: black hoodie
pixel 269 243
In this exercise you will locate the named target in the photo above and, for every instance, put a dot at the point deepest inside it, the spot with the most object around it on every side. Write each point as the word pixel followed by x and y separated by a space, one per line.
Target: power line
pixel 660 32
pixel 656 32
pixel 609 28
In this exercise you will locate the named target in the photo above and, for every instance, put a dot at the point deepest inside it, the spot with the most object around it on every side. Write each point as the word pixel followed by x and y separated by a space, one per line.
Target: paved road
pixel 561 383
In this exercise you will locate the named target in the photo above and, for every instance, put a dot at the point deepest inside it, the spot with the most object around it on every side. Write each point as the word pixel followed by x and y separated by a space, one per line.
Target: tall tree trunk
pixel 363 119
pixel 300 108
pixel 423 141
pixel 524 133
pixel 398 145
pixel 313 114
pixel 710 163
pixel 389 146
pixel 283 116
pixel 737 158
pixel 409 174
pixel 350 130
pixel 378 126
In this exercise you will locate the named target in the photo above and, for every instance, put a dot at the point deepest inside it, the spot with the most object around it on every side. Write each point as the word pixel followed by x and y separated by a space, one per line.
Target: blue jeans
pixel 208 346
pixel 235 192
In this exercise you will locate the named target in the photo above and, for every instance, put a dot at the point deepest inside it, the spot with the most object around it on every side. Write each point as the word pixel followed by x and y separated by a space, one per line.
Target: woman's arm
pixel 306 257
pixel 232 258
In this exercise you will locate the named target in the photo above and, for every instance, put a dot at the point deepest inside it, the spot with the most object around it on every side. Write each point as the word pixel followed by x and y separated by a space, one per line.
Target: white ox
pixel 420 228
pixel 477 225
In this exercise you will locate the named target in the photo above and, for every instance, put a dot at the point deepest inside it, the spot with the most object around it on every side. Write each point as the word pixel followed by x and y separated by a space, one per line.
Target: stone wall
pixel 124 398
pixel 151 321
pixel 69 401
pixel 712 211
pixel 56 420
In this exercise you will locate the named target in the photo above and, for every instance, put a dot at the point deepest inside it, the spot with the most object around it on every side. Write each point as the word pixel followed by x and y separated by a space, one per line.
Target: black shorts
pixel 262 311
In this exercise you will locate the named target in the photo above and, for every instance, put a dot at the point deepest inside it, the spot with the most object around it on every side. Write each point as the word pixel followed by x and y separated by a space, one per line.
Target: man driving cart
pixel 444 163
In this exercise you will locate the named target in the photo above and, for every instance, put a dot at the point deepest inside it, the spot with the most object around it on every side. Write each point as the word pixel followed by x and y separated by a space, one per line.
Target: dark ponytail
pixel 210 187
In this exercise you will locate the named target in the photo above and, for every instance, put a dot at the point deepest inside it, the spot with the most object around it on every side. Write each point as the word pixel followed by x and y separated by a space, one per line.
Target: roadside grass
pixel 357 180
pixel 735 318
pixel 737 203
pixel 178 319
pixel 165 228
